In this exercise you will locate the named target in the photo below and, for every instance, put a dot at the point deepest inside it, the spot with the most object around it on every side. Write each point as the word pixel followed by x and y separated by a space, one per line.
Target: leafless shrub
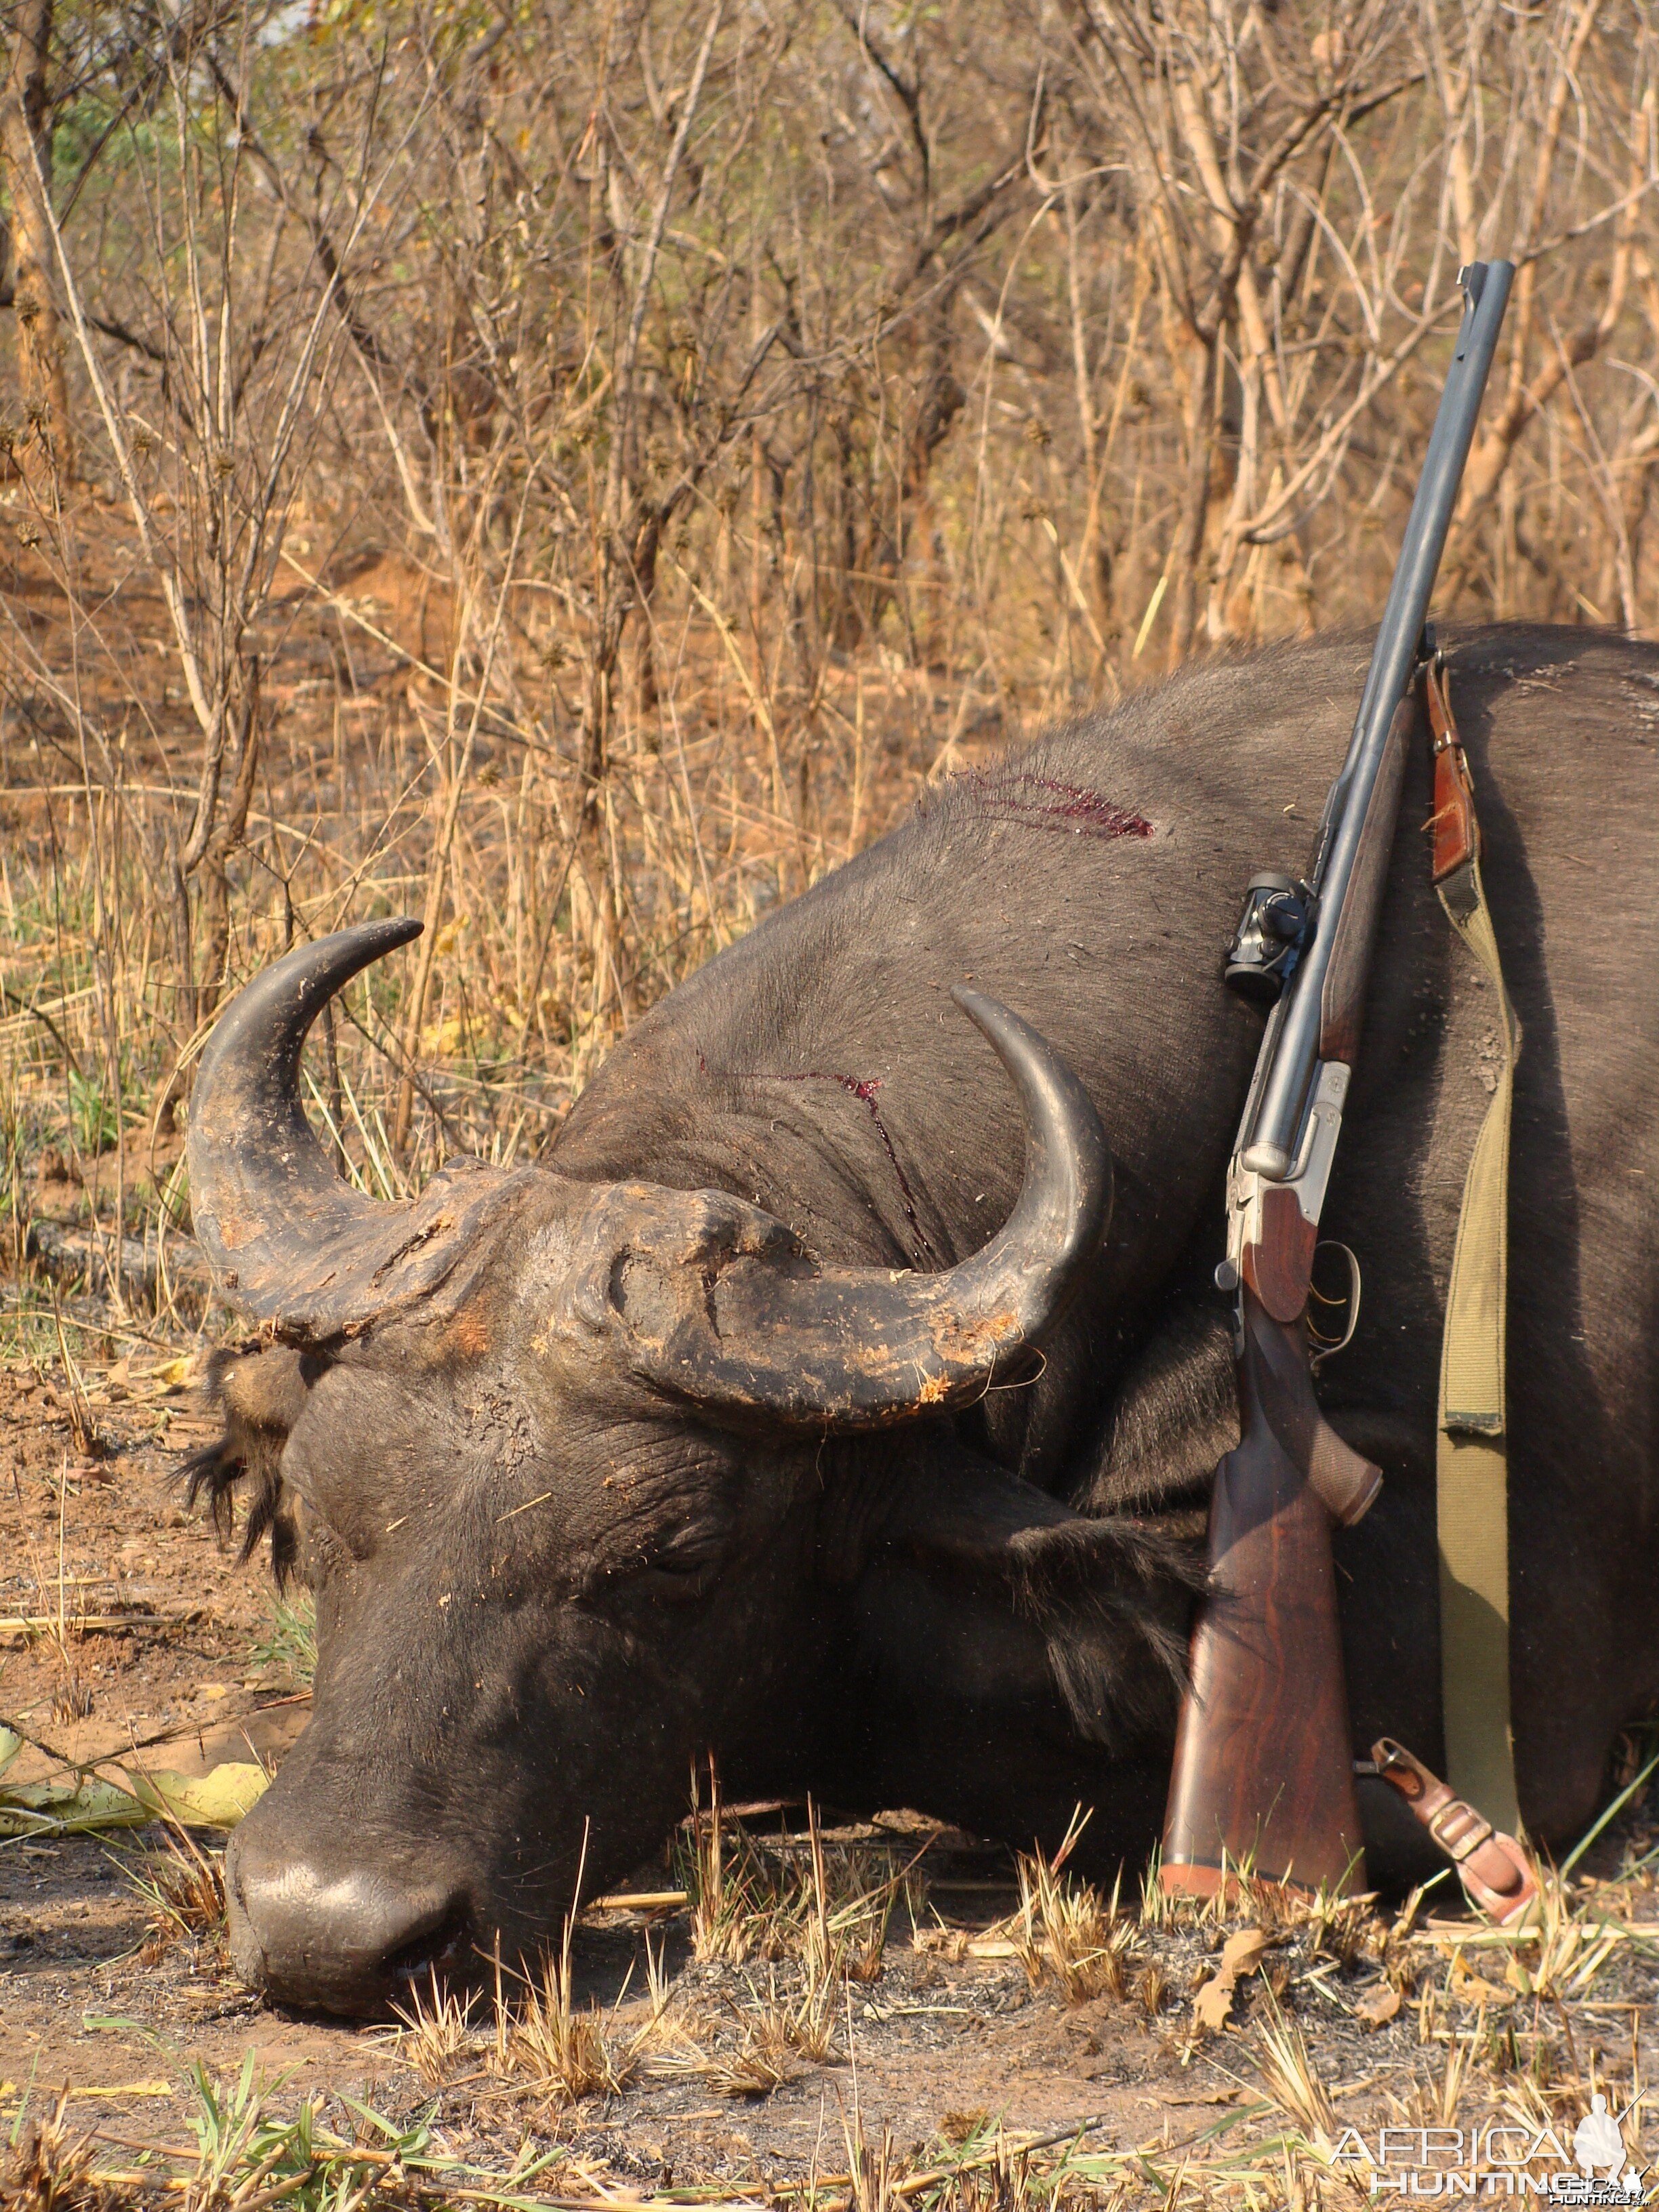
pixel 578 481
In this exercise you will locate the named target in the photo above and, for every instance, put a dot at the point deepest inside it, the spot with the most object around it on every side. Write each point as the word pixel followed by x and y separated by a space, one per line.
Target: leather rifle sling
pixel 1471 1460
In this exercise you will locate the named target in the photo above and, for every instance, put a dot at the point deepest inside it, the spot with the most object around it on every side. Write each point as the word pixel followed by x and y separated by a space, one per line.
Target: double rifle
pixel 1263 1780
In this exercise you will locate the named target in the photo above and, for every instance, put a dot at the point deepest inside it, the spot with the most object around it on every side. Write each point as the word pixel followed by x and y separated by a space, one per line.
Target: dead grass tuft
pixel 1152 1989
pixel 1342 1928
pixel 829 1907
pixel 876 2171
pixel 49 2170
pixel 184 1887
pixel 434 2039
pixel 777 2038
pixel 959 2128
pixel 71 1701
pixel 1292 2079
pixel 763 2061
pixel 572 2050
pixel 1066 1932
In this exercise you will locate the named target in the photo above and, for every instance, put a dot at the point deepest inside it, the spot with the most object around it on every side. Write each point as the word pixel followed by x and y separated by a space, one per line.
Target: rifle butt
pixel 1262 1787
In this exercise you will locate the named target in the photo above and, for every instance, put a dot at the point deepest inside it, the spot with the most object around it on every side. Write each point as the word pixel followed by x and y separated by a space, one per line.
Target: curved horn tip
pixel 267 1202
pixel 295 988
pixel 372 940
pixel 1057 1104
pixel 362 943
pixel 989 1016
pixel 1008 1035
pixel 255 1045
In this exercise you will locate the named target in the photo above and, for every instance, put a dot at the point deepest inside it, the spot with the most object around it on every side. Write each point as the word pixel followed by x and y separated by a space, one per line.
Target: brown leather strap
pixel 1498 1875
pixel 1456 831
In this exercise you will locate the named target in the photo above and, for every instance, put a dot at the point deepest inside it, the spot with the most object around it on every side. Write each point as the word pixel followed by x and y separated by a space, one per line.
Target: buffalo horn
pixel 288 1242
pixel 717 1303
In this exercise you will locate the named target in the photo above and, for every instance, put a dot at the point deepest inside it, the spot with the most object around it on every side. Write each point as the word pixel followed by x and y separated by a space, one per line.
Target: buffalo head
pixel 581 1475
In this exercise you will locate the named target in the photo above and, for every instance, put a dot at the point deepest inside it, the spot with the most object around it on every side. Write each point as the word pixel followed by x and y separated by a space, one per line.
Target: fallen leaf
pixel 10 1744
pixel 1473 1989
pixel 1379 2006
pixel 67 1809
pixel 218 1799
pixel 1240 1953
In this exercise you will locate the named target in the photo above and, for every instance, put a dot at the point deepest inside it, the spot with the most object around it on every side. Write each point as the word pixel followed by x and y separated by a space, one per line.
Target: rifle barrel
pixel 1271 1150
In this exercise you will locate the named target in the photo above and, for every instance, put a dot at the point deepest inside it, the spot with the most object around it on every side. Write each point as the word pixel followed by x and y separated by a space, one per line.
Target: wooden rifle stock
pixel 1263 1781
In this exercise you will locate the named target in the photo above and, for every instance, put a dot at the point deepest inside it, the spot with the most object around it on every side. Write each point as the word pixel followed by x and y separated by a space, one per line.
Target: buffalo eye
pixel 676 1563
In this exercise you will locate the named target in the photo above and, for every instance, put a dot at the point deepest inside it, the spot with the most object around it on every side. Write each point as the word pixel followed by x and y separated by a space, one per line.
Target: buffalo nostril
pixel 440 1949
pixel 306 1934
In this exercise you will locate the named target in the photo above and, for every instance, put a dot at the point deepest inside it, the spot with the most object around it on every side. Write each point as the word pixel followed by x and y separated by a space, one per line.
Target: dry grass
pixel 1068 1934
pixel 47 2169
pixel 588 605
pixel 576 2052
pixel 1541 2071
pixel 829 1906
pixel 184 1887
pixel 1572 1937
pixel 573 2052
pixel 1292 2078
pixel 436 2032
pixel 777 2038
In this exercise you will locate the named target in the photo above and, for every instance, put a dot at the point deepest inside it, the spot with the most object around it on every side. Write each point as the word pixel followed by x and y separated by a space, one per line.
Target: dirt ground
pixel 172 1674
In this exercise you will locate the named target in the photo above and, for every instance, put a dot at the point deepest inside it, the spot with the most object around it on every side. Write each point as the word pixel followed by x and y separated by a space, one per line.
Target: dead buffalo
pixel 795 1408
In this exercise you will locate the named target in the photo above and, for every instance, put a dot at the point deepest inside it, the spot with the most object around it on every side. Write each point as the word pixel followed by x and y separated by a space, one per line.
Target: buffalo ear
pixel 261 1391
pixel 1111 1598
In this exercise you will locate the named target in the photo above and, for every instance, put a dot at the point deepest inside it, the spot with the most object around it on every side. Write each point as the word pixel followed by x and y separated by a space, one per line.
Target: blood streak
pixel 1041 802
pixel 864 1089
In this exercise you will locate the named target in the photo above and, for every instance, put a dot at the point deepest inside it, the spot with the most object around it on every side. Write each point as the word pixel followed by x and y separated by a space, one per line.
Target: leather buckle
pixel 1458 1829
pixel 1498 1875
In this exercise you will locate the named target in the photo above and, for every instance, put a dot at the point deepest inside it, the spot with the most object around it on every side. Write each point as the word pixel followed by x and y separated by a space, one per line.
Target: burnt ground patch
pixel 743 2077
